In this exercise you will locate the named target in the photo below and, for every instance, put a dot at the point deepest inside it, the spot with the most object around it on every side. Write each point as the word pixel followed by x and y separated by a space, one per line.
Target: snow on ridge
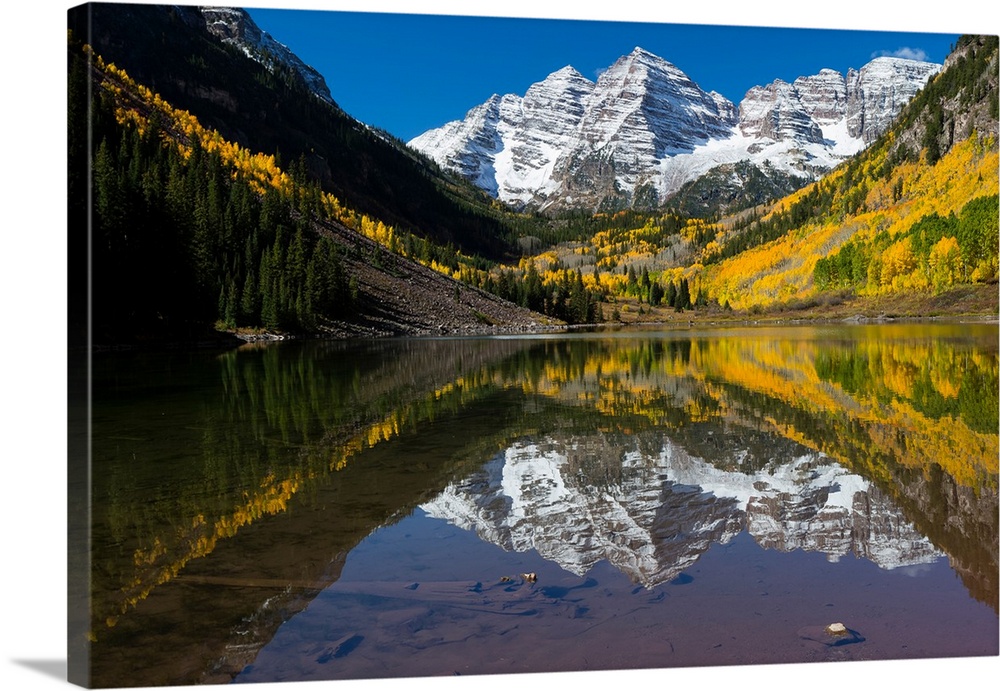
pixel 651 122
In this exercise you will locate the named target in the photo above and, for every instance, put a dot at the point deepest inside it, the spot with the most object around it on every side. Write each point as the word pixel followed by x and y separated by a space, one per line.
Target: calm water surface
pixel 304 511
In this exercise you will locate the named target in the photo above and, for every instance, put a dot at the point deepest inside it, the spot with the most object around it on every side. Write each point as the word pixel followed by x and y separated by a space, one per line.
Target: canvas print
pixel 410 346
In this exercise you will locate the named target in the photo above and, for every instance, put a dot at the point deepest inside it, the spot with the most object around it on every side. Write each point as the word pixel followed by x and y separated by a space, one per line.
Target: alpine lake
pixel 604 500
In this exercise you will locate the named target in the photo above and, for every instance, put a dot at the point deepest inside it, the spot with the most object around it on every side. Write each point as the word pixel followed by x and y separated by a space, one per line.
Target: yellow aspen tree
pixel 944 262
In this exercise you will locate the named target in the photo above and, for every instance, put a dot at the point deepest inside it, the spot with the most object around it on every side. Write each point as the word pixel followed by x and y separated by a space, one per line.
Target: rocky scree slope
pixel 399 297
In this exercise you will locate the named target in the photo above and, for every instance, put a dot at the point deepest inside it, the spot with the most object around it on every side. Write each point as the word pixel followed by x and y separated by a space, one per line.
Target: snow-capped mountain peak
pixel 645 96
pixel 510 143
pixel 646 124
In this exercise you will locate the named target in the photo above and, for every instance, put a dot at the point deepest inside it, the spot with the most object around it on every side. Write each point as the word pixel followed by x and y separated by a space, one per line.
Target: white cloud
pixel 905 52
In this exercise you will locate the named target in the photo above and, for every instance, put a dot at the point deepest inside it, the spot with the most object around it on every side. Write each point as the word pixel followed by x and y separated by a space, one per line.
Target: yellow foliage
pixel 897 261
pixel 783 268
pixel 945 262
pixel 260 170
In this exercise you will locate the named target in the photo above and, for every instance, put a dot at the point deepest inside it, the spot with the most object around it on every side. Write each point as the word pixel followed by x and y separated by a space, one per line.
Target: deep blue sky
pixel 408 73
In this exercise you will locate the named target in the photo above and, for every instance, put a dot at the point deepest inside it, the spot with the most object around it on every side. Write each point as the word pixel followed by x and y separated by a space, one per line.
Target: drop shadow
pixel 50 668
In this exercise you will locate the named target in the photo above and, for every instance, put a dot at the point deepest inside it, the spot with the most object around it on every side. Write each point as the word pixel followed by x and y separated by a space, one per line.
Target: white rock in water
pixel 836 629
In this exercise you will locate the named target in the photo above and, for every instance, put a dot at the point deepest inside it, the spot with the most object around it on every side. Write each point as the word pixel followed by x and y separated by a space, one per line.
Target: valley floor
pixel 432 310
pixel 979 302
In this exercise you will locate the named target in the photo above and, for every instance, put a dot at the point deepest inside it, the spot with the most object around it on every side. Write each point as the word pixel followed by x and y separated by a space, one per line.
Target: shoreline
pixel 228 340
pixel 971 304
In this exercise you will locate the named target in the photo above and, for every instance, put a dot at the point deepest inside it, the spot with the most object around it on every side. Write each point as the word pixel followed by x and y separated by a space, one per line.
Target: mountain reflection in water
pixel 231 491
pixel 662 512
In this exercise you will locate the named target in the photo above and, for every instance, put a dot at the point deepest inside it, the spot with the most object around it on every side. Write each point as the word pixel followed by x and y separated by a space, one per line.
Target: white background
pixel 32 378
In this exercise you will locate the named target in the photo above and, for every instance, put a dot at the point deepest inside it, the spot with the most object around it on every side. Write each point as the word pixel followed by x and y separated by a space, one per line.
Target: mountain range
pixel 644 129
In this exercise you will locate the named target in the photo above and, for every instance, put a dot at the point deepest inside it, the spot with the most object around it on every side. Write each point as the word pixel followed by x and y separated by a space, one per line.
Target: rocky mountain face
pixel 652 513
pixel 879 90
pixel 644 130
pixel 641 111
pixel 235 27
pixel 961 102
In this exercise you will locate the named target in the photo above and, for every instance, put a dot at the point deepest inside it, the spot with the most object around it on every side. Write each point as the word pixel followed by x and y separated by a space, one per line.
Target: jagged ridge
pixel 234 27
pixel 646 129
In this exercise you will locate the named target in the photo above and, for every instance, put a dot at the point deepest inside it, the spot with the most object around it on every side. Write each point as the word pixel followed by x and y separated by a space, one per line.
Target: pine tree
pixel 655 293
pixel 580 309
pixel 534 292
pixel 670 297
pixel 683 299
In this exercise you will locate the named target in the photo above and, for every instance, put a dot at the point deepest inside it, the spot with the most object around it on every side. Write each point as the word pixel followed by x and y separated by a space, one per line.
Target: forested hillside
pixel 268 109
pixel 191 233
pixel 916 211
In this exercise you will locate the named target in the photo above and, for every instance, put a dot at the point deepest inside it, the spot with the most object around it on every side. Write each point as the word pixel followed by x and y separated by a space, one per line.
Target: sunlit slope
pixel 915 211
pixel 894 255
pixel 210 235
